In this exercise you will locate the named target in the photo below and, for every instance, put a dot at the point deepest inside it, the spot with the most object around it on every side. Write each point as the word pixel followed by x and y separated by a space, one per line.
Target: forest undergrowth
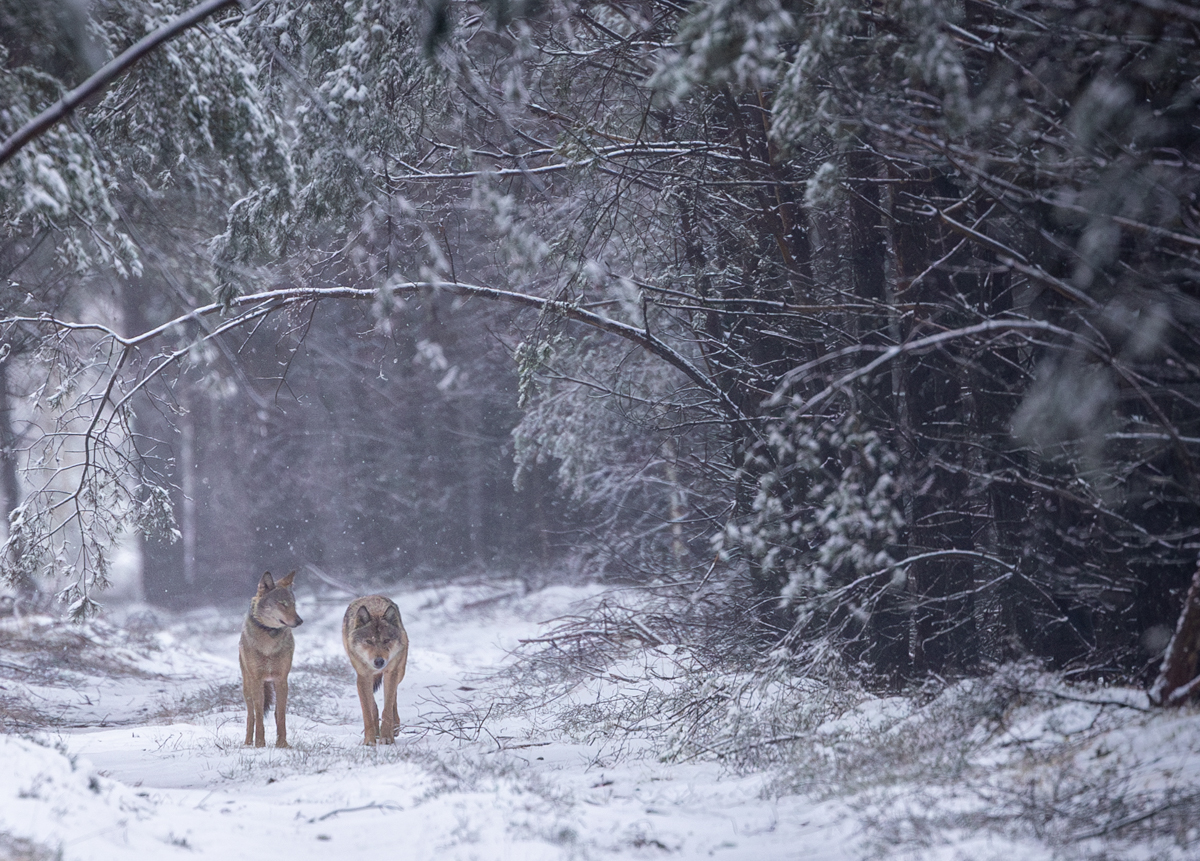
pixel 1021 753
pixel 949 768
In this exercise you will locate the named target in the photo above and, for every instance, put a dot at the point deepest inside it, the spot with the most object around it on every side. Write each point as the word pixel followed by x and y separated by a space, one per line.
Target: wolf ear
pixel 392 616
pixel 266 584
pixel 285 582
pixel 363 617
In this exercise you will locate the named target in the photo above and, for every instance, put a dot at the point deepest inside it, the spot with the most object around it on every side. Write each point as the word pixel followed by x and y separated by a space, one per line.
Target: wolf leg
pixel 248 687
pixel 395 677
pixel 281 695
pixel 387 731
pixel 366 698
pixel 261 701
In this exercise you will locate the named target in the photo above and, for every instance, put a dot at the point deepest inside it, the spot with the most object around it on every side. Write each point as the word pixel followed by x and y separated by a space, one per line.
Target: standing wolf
pixel 265 653
pixel 377 645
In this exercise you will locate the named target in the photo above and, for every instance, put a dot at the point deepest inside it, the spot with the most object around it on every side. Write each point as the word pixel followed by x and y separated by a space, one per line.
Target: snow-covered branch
pixel 106 75
pixel 287 297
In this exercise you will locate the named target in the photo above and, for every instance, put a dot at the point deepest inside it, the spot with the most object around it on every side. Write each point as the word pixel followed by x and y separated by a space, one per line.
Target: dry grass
pixel 314 691
pixel 19 849
pixel 209 699
pixel 333 669
pixel 17 713
pixel 51 652
pixel 40 652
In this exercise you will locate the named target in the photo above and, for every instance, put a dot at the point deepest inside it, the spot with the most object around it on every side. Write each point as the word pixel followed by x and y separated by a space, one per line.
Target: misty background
pixel 868 331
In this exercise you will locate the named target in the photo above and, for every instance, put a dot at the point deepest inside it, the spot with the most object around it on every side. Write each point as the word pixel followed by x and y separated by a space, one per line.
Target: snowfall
pixel 124 739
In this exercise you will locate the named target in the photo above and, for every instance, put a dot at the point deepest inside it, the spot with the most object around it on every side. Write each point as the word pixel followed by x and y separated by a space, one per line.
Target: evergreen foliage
pixel 925 272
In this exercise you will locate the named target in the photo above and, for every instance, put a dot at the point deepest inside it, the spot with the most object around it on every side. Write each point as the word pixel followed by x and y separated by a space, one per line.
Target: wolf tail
pixel 268 694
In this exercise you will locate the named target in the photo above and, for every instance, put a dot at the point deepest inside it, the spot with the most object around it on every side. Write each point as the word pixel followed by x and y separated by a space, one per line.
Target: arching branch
pixel 61 506
pixel 297 295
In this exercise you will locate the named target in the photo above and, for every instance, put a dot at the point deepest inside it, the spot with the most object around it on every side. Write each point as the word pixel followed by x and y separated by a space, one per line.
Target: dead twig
pixel 374 805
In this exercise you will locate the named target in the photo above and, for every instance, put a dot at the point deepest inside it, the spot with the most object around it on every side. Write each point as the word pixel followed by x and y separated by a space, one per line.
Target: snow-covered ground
pixel 141 755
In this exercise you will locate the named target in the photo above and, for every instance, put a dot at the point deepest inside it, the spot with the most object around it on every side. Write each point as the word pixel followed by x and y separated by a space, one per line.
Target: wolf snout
pixel 298 622
pixel 379 662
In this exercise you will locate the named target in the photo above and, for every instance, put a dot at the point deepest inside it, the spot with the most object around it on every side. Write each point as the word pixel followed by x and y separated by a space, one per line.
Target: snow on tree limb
pixel 101 473
pixel 298 295
pixel 105 76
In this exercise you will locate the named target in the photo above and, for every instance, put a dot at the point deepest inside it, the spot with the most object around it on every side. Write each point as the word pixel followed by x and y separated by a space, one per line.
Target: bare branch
pixel 797 375
pixel 298 295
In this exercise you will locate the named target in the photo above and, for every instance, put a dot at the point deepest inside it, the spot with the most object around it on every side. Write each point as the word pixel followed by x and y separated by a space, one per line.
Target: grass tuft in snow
pixel 21 849
pixel 209 699
pixel 49 651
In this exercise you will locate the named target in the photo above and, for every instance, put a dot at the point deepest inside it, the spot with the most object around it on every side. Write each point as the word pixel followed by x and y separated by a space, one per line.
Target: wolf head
pixel 274 605
pixel 376 639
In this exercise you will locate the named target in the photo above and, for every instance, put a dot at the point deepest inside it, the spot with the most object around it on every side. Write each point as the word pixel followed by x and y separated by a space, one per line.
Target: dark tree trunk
pixel 161 558
pixel 1177 680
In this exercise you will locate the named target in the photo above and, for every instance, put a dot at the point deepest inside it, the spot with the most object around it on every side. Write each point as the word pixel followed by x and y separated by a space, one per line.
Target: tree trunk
pixel 1177 680
pixel 899 385
pixel 10 484
pixel 187 481
pixel 472 424
pixel 160 559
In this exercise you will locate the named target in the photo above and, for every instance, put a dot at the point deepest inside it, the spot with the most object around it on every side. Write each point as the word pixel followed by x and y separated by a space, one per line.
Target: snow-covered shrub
pixel 825 520
pixel 728 42
pixel 1019 758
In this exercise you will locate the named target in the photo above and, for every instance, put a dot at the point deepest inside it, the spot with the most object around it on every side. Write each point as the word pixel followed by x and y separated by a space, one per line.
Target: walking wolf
pixel 265 653
pixel 377 645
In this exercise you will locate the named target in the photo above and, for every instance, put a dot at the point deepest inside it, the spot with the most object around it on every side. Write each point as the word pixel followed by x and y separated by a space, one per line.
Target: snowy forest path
pixel 466 779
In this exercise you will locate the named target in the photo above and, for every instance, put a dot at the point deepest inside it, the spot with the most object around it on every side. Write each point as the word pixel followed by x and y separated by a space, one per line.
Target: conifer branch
pixel 110 72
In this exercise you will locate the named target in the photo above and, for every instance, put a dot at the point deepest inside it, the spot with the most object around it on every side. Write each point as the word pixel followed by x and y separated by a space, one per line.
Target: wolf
pixel 377 646
pixel 265 653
